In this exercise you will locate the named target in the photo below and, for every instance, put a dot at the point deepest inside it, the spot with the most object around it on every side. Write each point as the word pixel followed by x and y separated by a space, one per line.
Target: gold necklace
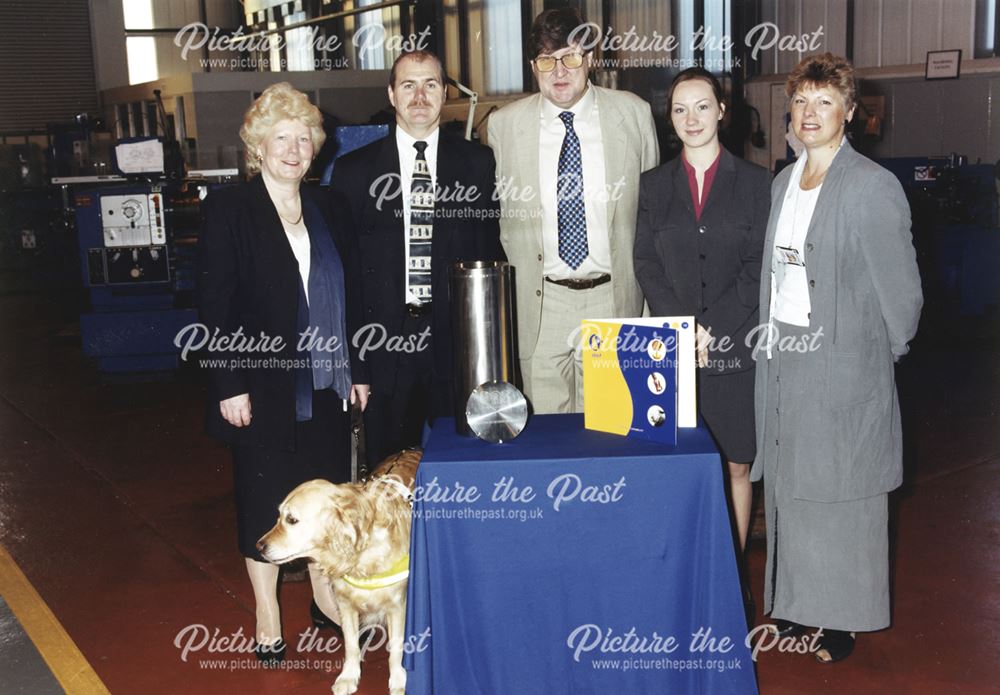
pixel 288 220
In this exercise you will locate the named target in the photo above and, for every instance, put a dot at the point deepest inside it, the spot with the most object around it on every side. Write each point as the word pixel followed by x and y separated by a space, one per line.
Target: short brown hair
pixel 419 55
pixel 825 70
pixel 553 29
pixel 279 102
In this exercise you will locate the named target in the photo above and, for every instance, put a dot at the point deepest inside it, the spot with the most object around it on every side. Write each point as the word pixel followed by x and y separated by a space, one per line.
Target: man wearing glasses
pixel 568 165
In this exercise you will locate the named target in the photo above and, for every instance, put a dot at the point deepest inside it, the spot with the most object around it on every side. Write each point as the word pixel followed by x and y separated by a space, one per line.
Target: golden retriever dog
pixel 359 535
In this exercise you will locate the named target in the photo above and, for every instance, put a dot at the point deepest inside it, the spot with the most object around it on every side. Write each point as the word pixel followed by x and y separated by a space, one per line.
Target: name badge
pixel 789 256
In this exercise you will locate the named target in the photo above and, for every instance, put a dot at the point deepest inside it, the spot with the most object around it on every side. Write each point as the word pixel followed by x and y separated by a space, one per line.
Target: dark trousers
pixel 402 403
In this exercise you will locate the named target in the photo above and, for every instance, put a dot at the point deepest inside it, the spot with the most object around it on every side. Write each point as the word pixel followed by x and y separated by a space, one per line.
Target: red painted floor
pixel 117 507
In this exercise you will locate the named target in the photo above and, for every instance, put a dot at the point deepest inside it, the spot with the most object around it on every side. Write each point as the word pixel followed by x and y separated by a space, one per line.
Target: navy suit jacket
pixel 248 279
pixel 708 268
pixel 466 228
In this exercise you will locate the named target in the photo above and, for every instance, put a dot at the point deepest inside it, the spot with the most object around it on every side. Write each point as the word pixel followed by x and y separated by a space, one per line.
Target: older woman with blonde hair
pixel 276 274
pixel 840 297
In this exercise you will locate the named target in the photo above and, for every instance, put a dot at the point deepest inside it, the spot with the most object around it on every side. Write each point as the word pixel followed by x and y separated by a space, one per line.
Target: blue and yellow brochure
pixel 638 376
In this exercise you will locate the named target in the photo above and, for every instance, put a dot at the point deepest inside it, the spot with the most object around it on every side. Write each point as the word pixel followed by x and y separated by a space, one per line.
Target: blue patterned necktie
pixel 569 194
pixel 418 276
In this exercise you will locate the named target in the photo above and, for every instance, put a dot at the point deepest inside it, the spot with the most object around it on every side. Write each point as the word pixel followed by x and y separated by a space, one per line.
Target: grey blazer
pixel 630 148
pixel 865 296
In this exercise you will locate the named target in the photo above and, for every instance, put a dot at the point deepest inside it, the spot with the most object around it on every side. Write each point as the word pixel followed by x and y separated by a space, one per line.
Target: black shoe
pixel 270 654
pixel 320 620
pixel 786 628
pixel 834 645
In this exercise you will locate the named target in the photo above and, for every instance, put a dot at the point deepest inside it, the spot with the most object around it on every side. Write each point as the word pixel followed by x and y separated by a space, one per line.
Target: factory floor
pixel 117 542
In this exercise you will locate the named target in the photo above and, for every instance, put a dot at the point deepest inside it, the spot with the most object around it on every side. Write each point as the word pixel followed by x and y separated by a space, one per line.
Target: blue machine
pixel 138 253
pixel 128 260
pixel 954 210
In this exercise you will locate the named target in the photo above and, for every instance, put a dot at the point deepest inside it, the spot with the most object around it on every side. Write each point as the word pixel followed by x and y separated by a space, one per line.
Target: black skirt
pixel 725 401
pixel 264 476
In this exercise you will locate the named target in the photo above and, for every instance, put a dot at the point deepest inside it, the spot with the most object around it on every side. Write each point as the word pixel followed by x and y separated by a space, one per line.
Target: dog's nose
pixel 261 546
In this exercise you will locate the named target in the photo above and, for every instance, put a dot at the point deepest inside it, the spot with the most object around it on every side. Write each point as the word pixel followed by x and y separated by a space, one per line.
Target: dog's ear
pixel 346 535
pixel 340 532
pixel 357 512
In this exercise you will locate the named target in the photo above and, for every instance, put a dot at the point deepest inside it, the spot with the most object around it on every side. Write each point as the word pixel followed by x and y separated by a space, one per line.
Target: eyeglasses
pixel 570 61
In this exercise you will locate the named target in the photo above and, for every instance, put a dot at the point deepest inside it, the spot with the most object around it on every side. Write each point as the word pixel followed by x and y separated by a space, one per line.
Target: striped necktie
pixel 569 195
pixel 418 277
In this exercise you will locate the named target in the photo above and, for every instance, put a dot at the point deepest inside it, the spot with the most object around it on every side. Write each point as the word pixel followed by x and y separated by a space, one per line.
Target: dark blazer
pixel 707 268
pixel 464 229
pixel 248 279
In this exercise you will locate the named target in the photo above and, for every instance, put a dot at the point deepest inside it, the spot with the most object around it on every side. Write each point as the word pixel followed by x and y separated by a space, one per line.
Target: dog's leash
pixel 396 485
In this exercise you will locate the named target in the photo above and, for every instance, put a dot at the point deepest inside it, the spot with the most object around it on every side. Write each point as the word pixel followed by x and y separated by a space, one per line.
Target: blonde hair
pixel 277 103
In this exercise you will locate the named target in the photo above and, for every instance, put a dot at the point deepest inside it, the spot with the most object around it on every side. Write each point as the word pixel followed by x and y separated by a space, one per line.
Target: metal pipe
pixel 288 27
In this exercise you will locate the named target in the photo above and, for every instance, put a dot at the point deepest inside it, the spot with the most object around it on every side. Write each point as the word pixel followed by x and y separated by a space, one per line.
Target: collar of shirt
pixel 706 182
pixel 408 154
pixel 583 110
pixel 800 165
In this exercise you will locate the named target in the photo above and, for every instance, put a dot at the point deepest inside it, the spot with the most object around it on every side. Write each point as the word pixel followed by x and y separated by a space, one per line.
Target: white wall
pixel 886 32
pixel 891 41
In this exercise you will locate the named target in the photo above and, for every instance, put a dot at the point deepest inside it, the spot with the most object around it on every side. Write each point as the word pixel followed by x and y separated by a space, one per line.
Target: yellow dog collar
pixel 399 571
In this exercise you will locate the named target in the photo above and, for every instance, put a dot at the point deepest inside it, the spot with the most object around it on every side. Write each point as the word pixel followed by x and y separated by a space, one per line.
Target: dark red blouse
pixel 706 186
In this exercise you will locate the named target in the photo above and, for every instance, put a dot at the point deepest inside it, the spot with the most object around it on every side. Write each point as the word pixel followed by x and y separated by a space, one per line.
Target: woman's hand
pixel 236 410
pixel 359 395
pixel 702 339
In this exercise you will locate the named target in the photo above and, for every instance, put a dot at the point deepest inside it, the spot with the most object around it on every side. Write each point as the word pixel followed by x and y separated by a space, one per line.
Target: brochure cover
pixel 639 376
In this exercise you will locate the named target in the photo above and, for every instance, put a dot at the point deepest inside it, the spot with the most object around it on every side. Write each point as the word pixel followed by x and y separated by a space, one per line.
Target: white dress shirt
pixel 587 124
pixel 407 159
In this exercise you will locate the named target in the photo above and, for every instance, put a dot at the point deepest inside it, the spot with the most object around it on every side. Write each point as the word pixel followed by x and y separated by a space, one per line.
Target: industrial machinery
pixel 136 243
pixel 953 206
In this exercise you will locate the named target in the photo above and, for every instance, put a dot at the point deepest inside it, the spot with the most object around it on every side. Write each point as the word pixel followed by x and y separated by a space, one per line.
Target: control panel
pixel 133 220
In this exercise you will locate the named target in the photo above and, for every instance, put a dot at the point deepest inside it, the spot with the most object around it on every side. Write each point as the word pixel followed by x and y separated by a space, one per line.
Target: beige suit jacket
pixel 630 148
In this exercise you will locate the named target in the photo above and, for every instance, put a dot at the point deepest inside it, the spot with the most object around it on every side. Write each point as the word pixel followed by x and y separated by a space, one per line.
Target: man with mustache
pixel 574 153
pixel 421 200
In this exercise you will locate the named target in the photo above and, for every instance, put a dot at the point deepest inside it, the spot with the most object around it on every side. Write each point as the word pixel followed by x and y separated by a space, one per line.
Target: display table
pixel 613 573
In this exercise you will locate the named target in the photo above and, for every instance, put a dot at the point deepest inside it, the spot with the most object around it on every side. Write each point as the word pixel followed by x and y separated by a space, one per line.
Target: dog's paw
pixel 345 686
pixel 347 682
pixel 397 683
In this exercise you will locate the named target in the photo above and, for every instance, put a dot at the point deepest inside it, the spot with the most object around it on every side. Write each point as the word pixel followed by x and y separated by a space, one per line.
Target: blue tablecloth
pixel 578 585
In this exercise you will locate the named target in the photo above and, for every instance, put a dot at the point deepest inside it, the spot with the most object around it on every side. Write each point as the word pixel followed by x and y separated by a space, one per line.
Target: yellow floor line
pixel 65 660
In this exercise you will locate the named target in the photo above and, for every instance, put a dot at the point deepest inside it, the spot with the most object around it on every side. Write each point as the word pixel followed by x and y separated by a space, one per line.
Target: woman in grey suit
pixel 840 299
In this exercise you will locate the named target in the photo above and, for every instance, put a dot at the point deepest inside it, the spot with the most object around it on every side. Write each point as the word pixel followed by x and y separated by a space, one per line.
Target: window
pixel 503 59
pixel 140 50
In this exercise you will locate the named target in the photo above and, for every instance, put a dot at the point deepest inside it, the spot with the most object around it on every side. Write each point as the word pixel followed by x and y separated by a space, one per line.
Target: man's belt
pixel 418 310
pixel 581 284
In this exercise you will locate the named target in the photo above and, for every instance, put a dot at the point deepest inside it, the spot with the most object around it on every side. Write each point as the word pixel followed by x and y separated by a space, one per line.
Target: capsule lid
pixel 496 411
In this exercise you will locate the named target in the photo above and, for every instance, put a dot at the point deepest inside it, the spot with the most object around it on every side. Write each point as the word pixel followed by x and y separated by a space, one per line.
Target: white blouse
pixel 301 248
pixel 791 286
